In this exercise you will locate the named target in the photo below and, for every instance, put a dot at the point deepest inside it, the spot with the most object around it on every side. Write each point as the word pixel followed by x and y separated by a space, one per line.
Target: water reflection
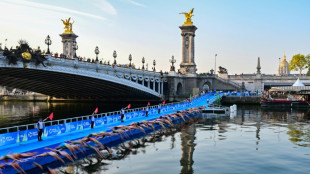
pixel 193 147
pixel 187 148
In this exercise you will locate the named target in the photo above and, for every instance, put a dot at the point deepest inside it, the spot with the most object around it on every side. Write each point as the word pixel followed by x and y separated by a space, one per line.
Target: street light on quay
pixel 97 52
pixel 130 59
pixel 143 61
pixel 215 64
pixel 154 63
pixel 114 55
pixel 48 42
pixel 75 47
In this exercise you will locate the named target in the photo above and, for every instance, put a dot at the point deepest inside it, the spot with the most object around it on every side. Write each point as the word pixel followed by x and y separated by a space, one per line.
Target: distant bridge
pixel 254 82
pixel 72 79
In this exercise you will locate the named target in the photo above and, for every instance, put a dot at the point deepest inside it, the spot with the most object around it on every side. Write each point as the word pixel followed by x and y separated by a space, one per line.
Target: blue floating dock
pixel 54 141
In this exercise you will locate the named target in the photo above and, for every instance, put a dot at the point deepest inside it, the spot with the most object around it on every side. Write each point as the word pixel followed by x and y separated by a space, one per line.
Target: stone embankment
pixel 241 99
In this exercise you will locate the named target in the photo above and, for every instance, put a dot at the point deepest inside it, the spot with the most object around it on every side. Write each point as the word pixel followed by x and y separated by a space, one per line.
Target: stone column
pixel 188 65
pixel 159 86
pixel 149 83
pixel 162 88
pixel 67 40
pixel 154 85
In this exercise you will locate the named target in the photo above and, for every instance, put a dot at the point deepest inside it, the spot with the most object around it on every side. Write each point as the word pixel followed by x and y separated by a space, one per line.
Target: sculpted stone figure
pixel 68 25
pixel 188 17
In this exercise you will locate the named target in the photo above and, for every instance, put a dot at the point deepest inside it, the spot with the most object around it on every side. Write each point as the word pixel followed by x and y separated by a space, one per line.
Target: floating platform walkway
pixel 26 140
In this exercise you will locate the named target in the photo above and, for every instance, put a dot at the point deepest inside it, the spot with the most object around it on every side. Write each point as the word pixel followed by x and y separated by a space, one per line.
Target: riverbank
pixel 241 100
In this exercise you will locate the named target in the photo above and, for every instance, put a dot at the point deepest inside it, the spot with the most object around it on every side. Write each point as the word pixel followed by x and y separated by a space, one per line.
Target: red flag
pixel 129 106
pixel 51 116
pixel 164 102
pixel 148 103
pixel 96 110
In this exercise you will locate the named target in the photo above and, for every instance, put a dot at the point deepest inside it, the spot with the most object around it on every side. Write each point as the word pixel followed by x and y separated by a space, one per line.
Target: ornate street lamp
pixel 143 61
pixel 172 61
pixel 114 55
pixel 130 59
pixel 154 63
pixel 75 47
pixel 97 52
pixel 48 42
pixel 215 64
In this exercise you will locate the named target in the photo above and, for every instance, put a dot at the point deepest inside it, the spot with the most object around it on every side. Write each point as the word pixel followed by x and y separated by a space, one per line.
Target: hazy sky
pixel 238 31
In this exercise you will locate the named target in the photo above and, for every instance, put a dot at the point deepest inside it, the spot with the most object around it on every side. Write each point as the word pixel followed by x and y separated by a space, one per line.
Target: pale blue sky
pixel 239 31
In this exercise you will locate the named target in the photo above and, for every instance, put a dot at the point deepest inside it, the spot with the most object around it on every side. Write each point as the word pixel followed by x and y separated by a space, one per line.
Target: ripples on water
pixel 255 141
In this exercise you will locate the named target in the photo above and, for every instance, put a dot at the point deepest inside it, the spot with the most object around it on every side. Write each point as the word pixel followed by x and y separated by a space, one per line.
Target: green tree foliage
pixel 298 63
pixel 308 64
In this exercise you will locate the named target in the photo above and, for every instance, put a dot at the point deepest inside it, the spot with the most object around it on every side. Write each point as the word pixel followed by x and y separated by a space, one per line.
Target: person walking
pixel 40 127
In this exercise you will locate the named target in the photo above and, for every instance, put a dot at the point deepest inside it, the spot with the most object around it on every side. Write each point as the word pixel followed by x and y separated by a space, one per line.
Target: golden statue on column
pixel 188 17
pixel 68 25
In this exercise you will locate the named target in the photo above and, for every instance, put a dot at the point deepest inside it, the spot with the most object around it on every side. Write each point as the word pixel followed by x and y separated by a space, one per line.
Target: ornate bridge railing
pixel 151 82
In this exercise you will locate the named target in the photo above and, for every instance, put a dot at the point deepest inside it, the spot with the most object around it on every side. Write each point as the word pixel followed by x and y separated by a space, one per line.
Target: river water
pixel 256 141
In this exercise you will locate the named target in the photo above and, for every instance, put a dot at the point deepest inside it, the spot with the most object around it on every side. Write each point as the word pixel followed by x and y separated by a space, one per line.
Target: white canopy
pixel 298 83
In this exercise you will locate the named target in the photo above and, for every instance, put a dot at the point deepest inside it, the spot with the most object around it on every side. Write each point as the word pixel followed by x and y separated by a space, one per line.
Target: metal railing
pixel 87 117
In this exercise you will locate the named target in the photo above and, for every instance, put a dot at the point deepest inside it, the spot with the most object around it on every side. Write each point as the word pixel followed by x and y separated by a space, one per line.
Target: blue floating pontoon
pixel 54 135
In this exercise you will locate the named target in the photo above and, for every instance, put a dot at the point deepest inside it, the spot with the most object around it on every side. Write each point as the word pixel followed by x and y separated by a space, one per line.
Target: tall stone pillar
pixel 67 40
pixel 188 65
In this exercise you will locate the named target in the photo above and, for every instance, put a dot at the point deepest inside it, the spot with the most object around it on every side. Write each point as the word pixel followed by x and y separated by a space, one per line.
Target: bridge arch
pixel 205 85
pixel 179 89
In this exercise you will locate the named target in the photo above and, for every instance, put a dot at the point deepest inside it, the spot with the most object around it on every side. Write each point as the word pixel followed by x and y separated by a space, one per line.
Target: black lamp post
pixel 143 61
pixel 114 55
pixel 97 52
pixel 75 47
pixel 48 42
pixel 154 63
pixel 130 59
pixel 172 61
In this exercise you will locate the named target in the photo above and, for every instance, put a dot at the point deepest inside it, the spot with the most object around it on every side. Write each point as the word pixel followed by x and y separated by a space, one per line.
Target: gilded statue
pixel 188 17
pixel 68 25
pixel 26 55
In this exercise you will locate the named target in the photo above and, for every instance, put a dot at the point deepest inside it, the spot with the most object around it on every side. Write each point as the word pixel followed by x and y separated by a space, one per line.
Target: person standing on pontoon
pixel 40 127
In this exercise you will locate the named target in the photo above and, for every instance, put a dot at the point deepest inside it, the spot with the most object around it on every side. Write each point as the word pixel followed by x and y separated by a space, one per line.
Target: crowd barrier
pixel 28 132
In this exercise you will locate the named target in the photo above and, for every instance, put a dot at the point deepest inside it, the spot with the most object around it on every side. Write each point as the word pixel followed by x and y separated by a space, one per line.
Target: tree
pixel 308 64
pixel 298 63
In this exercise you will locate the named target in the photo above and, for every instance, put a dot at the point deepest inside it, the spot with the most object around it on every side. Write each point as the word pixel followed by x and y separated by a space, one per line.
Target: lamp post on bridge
pixel 154 63
pixel 130 59
pixel 215 64
pixel 48 42
pixel 172 61
pixel 75 47
pixel 97 52
pixel 114 55
pixel 143 61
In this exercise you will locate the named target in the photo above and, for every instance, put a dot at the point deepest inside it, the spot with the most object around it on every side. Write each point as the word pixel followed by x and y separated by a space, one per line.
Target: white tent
pixel 298 83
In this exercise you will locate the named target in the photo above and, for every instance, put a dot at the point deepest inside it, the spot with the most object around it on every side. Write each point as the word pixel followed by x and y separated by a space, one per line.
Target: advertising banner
pixel 86 124
pixel 8 138
pixel 99 122
pixel 32 134
pixel 51 131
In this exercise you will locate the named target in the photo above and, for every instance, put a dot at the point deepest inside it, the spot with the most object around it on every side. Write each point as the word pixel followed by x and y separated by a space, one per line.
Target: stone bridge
pixel 72 79
pixel 182 86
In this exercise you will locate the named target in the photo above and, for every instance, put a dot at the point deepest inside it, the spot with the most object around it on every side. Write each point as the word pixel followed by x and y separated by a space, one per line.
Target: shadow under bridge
pixel 69 85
